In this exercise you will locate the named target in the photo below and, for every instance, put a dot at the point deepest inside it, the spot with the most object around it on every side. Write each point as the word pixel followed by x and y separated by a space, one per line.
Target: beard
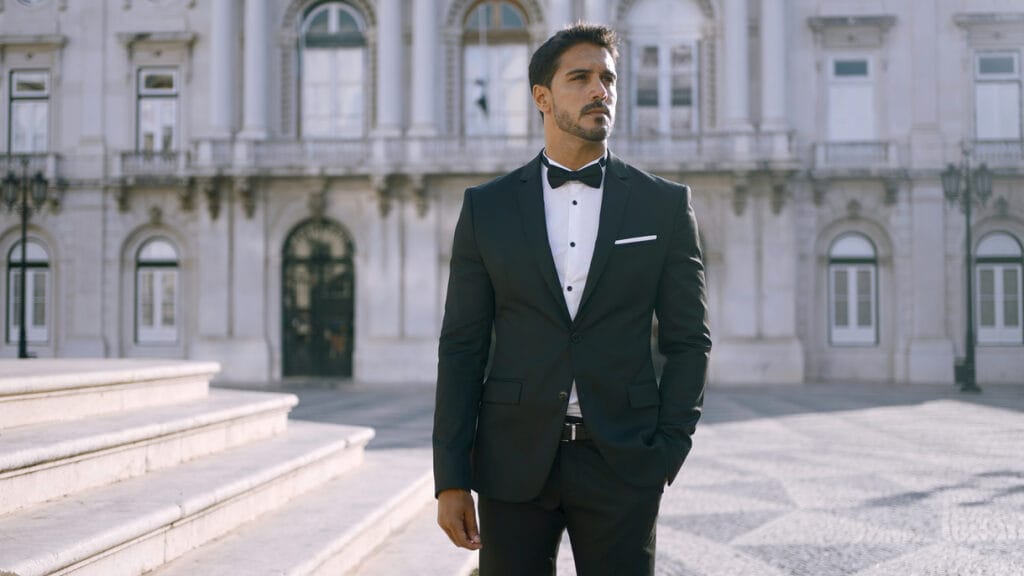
pixel 568 124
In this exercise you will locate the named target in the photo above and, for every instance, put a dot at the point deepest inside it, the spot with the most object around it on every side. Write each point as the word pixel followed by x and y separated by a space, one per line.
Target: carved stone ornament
pixel 318 201
pixel 247 193
pixel 818 190
pixel 121 196
pixel 1002 206
pixel 892 192
pixel 853 208
pixel 420 194
pixel 778 197
pixel 187 194
pixel 384 195
pixel 740 194
pixel 212 192
pixel 156 215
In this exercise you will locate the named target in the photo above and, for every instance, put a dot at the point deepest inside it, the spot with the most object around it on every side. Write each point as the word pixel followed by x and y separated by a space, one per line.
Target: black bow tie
pixel 590 175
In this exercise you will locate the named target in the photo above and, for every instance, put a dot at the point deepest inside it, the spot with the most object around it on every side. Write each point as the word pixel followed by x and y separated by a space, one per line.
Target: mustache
pixel 595 106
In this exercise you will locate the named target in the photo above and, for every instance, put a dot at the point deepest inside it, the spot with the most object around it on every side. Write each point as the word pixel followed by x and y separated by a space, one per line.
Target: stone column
pixel 257 40
pixel 425 43
pixel 389 67
pixel 222 43
pixel 737 66
pixel 773 65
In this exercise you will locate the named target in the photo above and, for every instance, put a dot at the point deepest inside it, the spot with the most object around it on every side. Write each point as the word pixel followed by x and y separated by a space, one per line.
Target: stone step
pixel 47 461
pixel 36 391
pixel 327 532
pixel 132 527
pixel 419 548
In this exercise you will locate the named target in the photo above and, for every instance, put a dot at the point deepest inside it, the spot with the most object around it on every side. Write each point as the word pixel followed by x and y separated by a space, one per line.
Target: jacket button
pixel 576 338
pixel 563 395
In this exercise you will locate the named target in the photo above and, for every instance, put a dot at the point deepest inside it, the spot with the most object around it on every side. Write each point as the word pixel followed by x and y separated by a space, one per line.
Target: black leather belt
pixel 574 432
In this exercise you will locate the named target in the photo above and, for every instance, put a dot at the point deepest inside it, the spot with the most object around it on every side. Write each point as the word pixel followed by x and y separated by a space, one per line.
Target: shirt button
pixel 576 338
pixel 563 395
pixel 574 202
pixel 573 244
pixel 569 288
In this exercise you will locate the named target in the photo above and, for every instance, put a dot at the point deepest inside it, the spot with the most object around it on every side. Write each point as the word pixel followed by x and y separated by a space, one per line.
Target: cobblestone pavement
pixel 814 480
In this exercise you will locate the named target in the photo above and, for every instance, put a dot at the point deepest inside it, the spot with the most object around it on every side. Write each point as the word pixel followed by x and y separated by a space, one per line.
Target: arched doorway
pixel 318 285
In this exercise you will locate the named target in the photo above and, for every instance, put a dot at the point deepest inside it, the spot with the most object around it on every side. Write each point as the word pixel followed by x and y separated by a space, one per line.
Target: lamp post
pixel 24 194
pixel 977 187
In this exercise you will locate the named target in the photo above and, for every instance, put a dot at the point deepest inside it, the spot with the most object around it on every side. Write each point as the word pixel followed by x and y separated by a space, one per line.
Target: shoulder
pixel 673 192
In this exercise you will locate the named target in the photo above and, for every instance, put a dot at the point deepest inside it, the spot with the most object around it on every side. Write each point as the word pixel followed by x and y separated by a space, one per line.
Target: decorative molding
pixel 740 194
pixel 187 194
pixel 33 41
pixel 420 194
pixel 246 190
pixel 892 191
pixel 212 191
pixel 992 28
pixel 459 8
pixel 706 6
pixel 853 208
pixel 379 182
pixel 132 39
pixel 1002 206
pixel 779 192
pixel 121 193
pixel 818 190
pixel 156 215
pixel 317 202
pixel 842 32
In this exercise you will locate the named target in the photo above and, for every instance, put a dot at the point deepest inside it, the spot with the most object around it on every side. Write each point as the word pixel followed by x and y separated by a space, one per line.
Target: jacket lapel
pixel 531 207
pixel 613 208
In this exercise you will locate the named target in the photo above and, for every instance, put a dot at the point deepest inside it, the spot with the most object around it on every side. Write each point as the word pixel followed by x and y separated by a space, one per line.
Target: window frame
pixel 34 336
pixel 842 337
pixel 143 94
pixel 159 334
pixel 999 334
pixel 14 96
pixel 1013 79
pixel 349 41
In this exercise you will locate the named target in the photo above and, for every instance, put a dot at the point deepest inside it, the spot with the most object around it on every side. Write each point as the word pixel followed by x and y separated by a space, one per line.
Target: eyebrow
pixel 588 71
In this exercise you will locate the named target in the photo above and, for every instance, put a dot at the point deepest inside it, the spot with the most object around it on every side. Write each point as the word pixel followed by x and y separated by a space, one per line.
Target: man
pixel 567 259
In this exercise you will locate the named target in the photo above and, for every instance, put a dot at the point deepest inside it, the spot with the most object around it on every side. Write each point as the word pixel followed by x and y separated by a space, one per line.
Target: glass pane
pixel 146 295
pixel 510 17
pixel 34 253
pixel 39 299
pixel 852 246
pixel 1001 64
pixel 158 250
pixel 168 282
pixel 997 245
pixel 496 89
pixel 30 83
pixel 864 303
pixel 320 24
pixel 15 313
pixel 157 120
pixel 840 298
pixel 29 126
pixel 479 18
pixel 349 82
pixel 997 110
pixel 1011 297
pixel 158 81
pixel 987 297
pixel 851 68
pixel 347 22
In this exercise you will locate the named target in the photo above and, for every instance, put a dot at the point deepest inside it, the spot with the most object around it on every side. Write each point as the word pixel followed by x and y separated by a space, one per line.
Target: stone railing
pixel 48 163
pixel 999 153
pixel 311 154
pixel 151 164
pixel 874 154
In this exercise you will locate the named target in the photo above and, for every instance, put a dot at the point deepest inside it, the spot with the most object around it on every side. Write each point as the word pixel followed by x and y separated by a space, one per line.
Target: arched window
pixel 36 266
pixel 333 72
pixel 156 292
pixel 663 41
pixel 998 294
pixel 853 292
pixel 496 85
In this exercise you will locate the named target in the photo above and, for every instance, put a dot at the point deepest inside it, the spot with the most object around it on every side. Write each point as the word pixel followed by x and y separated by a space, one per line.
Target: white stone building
pixel 274 184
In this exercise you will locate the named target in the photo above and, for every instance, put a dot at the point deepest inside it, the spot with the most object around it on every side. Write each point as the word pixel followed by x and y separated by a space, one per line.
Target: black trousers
pixel 611 524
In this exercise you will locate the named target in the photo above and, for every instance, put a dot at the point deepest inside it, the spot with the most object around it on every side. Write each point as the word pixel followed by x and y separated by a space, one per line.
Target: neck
pixel 575 155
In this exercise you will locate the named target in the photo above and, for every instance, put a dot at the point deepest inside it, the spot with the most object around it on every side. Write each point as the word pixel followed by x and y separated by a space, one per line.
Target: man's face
pixel 583 93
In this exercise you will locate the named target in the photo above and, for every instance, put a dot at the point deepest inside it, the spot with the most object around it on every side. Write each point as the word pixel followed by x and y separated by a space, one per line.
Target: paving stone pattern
pixel 815 480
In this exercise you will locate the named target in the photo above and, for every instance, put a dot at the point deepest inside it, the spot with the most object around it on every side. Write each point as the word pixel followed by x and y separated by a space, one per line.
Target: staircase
pixel 130 467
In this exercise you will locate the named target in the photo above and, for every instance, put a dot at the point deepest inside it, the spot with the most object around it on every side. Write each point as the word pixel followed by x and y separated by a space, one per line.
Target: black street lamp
pixel 24 194
pixel 977 187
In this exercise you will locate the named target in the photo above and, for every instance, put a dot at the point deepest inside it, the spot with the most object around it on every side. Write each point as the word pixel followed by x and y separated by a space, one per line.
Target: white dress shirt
pixel 572 212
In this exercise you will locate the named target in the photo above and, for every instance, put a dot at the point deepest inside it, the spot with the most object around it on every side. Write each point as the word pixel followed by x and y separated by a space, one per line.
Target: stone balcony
pixel 864 158
pixel 1000 154
pixel 150 167
pixel 47 163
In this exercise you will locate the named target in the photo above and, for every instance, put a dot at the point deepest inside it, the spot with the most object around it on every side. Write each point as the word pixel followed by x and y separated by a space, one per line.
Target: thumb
pixel 472 532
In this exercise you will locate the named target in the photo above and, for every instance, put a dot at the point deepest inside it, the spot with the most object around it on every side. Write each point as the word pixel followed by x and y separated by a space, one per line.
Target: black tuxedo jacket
pixel 499 435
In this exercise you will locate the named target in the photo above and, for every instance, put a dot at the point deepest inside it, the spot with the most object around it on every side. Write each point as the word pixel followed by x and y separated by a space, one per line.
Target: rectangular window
pixel 36 317
pixel 29 112
pixel 157 305
pixel 664 89
pixel 997 96
pixel 853 304
pixel 332 92
pixel 157 110
pixel 496 90
pixel 851 101
pixel 999 304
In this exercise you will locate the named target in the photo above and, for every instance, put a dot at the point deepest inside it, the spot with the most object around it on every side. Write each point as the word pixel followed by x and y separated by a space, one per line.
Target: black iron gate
pixel 318 285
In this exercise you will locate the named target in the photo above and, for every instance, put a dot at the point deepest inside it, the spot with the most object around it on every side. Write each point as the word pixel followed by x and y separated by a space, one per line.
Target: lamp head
pixel 39 185
pixel 951 183
pixel 10 190
pixel 983 183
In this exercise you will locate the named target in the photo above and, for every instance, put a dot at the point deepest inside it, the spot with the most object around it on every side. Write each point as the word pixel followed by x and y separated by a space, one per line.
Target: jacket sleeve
pixel 684 338
pixel 462 355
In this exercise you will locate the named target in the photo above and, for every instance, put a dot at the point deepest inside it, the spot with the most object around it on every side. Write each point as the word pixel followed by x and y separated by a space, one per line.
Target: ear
pixel 542 98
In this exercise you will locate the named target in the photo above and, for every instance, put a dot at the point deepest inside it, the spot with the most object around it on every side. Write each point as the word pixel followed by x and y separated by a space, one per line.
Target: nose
pixel 599 91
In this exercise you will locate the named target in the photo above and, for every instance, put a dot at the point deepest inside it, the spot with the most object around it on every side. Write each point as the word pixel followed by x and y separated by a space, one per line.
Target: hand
pixel 456 515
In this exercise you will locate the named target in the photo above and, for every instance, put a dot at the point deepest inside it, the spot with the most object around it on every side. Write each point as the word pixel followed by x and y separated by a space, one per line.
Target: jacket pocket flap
pixel 502 391
pixel 644 395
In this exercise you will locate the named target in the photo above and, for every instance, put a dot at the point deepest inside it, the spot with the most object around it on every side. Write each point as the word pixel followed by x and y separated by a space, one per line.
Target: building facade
pixel 274 184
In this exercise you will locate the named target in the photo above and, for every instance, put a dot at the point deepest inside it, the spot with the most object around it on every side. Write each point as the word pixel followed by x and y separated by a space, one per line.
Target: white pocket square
pixel 636 239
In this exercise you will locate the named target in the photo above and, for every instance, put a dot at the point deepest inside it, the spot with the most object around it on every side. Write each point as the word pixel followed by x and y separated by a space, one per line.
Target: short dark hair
pixel 545 59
